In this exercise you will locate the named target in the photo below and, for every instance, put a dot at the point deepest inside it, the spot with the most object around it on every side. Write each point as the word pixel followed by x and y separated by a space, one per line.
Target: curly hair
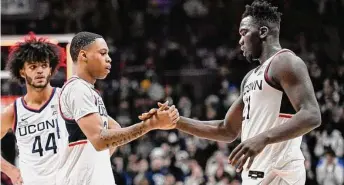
pixel 33 49
pixel 262 11
pixel 80 41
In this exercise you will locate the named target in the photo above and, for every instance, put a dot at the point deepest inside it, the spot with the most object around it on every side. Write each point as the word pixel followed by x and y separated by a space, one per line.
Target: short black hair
pixel 81 40
pixel 262 11
pixel 329 151
pixel 33 49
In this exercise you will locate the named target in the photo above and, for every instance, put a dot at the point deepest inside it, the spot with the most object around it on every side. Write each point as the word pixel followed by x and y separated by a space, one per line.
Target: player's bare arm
pixel 104 138
pixel 113 124
pixel 216 130
pixel 290 73
pixel 7 119
pixel 226 130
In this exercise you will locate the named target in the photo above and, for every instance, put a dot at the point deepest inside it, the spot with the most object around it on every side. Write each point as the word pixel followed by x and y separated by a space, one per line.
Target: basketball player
pixel 91 130
pixel 34 118
pixel 270 149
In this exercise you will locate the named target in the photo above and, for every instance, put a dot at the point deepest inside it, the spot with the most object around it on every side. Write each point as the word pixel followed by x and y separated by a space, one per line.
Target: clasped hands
pixel 163 118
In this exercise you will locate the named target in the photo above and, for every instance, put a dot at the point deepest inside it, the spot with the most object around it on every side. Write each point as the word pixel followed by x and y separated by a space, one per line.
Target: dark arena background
pixel 187 52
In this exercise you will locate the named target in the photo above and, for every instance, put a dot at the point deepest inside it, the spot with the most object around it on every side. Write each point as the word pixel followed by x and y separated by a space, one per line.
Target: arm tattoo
pixel 116 137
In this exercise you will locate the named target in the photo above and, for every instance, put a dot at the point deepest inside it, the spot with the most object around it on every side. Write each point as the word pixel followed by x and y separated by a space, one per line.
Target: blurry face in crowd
pixel 98 59
pixel 327 88
pixel 36 74
pixel 315 71
pixel 250 40
pixel 157 163
pixel 330 158
pixel 169 180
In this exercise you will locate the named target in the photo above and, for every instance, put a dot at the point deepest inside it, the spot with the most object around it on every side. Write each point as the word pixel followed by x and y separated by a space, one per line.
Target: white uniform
pixel 39 135
pixel 279 163
pixel 82 164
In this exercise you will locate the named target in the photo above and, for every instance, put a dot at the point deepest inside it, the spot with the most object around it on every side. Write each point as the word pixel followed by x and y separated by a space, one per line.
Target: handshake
pixel 163 118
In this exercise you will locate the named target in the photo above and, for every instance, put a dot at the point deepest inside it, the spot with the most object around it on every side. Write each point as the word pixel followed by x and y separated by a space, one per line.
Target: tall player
pixel 34 118
pixel 270 149
pixel 91 130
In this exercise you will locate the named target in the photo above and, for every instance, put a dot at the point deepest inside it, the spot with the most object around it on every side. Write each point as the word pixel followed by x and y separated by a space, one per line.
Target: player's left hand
pixel 247 149
pixel 153 111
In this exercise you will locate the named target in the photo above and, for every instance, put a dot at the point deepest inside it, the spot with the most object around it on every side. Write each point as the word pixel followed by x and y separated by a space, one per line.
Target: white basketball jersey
pixel 39 135
pixel 82 164
pixel 262 112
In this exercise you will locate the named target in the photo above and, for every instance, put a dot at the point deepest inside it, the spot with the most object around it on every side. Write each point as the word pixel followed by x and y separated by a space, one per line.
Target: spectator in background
pixel 330 169
pixel 197 175
pixel 158 169
pixel 332 138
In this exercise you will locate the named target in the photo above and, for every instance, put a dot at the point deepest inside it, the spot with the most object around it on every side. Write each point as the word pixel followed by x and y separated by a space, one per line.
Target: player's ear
pixel 263 32
pixel 83 56
pixel 22 72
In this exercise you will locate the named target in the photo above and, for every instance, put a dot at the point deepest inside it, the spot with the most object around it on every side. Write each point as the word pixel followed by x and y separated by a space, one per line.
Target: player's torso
pixel 262 103
pixel 76 136
pixel 83 164
pixel 38 136
pixel 265 109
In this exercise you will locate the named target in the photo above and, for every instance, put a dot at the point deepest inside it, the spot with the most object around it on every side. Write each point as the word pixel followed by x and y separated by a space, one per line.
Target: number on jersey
pixel 50 144
pixel 246 112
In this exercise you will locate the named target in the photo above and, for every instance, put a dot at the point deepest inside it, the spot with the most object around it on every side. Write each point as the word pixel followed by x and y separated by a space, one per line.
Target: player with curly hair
pixel 269 152
pixel 34 118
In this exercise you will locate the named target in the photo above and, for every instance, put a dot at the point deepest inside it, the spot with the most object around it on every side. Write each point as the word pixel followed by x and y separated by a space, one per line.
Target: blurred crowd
pixel 186 52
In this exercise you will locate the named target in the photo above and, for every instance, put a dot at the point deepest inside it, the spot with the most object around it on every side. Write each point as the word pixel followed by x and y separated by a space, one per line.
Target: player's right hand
pixel 15 177
pixel 150 113
pixel 164 119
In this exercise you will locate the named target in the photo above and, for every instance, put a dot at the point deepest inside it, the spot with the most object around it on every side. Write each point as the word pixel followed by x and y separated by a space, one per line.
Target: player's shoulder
pixel 8 113
pixel 74 84
pixel 287 63
pixel 9 108
pixel 287 58
pixel 76 88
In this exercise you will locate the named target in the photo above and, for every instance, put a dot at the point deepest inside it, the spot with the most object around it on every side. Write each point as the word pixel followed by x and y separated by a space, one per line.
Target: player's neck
pixel 38 96
pixel 268 51
pixel 87 77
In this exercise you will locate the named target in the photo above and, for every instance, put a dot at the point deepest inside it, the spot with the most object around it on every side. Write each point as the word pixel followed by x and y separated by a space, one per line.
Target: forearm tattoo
pixel 117 138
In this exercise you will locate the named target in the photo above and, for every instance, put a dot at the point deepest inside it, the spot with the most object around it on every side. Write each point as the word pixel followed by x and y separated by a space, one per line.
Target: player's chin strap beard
pixel 30 82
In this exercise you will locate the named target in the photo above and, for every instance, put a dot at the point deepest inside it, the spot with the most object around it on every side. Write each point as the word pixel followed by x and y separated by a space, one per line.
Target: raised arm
pixel 226 130
pixel 79 105
pixel 7 120
pixel 102 138
pixel 113 125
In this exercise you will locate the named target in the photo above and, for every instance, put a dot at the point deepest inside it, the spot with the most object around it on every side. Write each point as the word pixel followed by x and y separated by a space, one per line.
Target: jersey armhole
pixel 14 124
pixel 269 80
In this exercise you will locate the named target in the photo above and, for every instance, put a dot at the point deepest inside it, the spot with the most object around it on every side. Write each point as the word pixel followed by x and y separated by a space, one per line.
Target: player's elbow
pixel 314 118
pixel 232 137
pixel 100 147
pixel 98 143
pixel 228 136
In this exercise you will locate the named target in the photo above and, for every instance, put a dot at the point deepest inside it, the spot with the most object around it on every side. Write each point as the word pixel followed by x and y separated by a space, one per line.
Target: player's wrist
pixel 149 124
pixel 265 137
pixel 180 122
